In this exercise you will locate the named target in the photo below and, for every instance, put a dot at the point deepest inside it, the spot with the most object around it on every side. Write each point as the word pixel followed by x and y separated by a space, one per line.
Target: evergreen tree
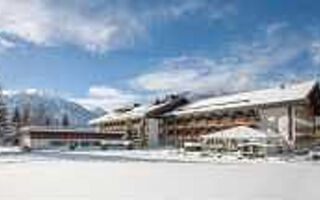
pixel 56 122
pixel 39 115
pixel 26 115
pixel 65 120
pixel 48 121
pixel 5 129
pixel 16 118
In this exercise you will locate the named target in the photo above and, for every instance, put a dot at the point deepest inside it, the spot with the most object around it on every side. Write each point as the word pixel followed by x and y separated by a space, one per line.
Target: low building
pixel 34 137
pixel 290 110
pixel 242 138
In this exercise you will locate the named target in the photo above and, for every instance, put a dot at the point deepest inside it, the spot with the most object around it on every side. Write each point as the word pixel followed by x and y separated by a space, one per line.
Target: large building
pixel 141 124
pixel 291 110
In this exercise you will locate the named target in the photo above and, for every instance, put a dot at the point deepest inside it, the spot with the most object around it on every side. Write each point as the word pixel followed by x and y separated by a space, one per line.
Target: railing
pixel 57 128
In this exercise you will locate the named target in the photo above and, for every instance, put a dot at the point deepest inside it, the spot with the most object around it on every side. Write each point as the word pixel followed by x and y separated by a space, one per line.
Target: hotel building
pixel 291 111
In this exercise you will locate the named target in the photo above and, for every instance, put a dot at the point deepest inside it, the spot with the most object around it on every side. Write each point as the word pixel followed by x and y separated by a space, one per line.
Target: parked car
pixel 192 146
pixel 315 153
pixel 301 152
pixel 117 145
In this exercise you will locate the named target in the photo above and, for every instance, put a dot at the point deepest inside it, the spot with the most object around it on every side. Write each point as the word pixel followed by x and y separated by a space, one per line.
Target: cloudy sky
pixel 114 52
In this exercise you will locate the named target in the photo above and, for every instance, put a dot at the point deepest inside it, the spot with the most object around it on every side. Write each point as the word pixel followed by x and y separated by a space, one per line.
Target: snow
pixel 9 149
pixel 51 179
pixel 125 156
pixel 14 154
pixel 287 93
pixel 58 129
pixel 239 132
pixel 54 106
pixel 137 112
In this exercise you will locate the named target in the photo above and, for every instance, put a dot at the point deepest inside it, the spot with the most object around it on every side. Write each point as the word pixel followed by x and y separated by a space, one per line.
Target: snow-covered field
pixel 162 155
pixel 128 175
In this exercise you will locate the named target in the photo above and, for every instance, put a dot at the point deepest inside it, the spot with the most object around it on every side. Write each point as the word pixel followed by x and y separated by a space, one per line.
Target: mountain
pixel 99 111
pixel 46 108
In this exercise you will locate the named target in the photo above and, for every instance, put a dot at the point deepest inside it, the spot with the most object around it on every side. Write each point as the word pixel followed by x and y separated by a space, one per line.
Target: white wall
pixel 152 131
pixel 278 119
pixel 25 140
pixel 40 143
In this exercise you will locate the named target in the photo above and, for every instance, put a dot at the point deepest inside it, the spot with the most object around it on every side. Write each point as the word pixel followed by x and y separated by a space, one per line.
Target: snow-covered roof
pixel 239 133
pixel 114 116
pixel 137 112
pixel 285 93
pixel 57 129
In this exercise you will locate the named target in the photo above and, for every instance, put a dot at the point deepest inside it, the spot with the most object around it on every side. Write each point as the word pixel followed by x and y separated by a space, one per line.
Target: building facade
pixel 35 137
pixel 291 111
pixel 143 125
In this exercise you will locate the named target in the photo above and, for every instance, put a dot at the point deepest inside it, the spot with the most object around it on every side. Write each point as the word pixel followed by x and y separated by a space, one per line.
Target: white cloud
pixel 32 91
pixel 107 98
pixel 245 66
pixel 43 23
pixel 214 9
pixel 273 28
pixel 94 25
pixel 9 92
pixel 315 51
pixel 194 74
pixel 24 19
pixel 6 44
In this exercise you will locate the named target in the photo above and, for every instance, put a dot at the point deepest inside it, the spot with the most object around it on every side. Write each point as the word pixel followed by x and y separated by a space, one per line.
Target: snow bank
pixel 167 155
pixel 7 150
pixel 161 155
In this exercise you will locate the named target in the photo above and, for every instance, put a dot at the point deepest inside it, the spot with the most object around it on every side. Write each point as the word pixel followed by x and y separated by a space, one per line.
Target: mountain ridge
pixel 48 108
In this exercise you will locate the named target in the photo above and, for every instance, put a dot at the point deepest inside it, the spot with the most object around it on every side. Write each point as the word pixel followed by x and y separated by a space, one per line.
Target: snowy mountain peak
pixel 46 106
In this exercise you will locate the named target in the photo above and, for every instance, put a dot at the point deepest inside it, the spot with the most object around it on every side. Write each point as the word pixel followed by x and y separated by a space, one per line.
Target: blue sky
pixel 111 53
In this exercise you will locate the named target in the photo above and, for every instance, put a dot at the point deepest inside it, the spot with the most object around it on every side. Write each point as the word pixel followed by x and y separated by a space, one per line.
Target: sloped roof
pixel 140 111
pixel 135 113
pixel 287 93
pixel 114 116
